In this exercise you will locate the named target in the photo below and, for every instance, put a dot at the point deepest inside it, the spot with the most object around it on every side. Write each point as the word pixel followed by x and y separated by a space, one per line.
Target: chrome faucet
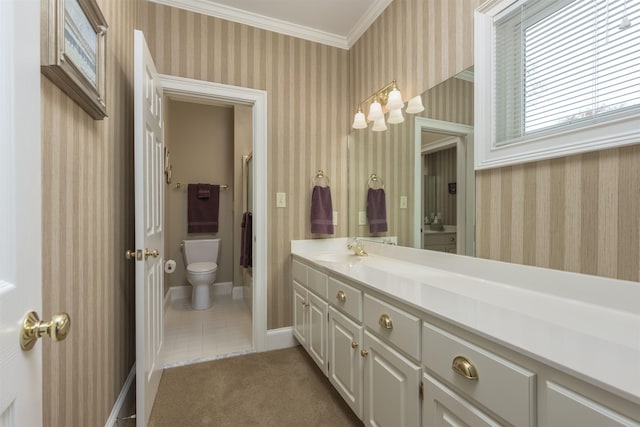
pixel 357 247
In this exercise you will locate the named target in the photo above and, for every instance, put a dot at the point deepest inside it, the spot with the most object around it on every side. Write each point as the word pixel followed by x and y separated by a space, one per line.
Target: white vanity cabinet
pixel 310 312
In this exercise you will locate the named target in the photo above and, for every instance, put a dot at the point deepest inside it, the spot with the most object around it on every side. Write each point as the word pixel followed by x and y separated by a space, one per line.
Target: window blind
pixel 561 64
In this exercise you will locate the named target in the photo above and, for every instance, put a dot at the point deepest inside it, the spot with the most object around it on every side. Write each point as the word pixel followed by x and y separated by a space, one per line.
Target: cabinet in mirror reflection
pixel 400 156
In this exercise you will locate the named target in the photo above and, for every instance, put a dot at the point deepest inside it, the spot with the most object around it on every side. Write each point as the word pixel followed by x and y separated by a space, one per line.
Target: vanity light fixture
pixel 391 98
pixel 415 105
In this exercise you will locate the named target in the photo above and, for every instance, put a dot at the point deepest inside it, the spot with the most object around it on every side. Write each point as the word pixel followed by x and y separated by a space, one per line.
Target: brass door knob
pixel 341 296
pixel 130 255
pixel 385 321
pixel 154 253
pixel 33 328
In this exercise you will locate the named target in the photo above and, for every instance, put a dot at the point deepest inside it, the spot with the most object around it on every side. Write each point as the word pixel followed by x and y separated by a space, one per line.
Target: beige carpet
pixel 276 388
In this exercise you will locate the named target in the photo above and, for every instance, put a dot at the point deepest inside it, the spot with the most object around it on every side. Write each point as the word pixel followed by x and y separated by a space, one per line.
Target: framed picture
pixel 73 51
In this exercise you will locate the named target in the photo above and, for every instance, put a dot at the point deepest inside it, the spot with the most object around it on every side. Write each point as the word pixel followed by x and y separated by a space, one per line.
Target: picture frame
pixel 73 41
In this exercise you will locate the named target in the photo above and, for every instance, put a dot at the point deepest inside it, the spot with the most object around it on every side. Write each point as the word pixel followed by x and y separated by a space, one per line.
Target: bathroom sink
pixel 342 258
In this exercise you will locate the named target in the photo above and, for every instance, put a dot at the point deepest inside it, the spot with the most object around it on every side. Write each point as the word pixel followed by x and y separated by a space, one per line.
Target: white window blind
pixel 564 64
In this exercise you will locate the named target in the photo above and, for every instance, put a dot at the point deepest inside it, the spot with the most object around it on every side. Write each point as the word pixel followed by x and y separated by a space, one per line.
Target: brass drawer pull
pixel 385 321
pixel 342 297
pixel 463 366
pixel 354 344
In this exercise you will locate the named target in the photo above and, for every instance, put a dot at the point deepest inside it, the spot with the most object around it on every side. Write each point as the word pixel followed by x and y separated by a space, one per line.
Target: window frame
pixel 603 134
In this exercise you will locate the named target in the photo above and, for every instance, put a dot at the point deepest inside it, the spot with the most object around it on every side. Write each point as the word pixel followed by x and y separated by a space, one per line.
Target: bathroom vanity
pixel 410 337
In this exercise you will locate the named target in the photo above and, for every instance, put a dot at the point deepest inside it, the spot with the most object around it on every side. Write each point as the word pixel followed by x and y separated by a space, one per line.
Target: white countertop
pixel 587 326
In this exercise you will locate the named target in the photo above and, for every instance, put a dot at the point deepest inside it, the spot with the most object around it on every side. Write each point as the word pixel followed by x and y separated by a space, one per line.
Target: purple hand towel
pixel 321 211
pixel 202 214
pixel 246 240
pixel 377 210
pixel 204 191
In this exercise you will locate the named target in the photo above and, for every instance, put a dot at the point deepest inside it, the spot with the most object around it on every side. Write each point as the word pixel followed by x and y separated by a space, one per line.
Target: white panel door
pixel 345 362
pixel 390 386
pixel 317 336
pixel 149 234
pixel 20 210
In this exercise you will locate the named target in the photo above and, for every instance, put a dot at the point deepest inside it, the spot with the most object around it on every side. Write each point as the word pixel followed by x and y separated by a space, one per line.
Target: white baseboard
pixel 118 407
pixel 280 338
pixel 223 288
pixel 238 292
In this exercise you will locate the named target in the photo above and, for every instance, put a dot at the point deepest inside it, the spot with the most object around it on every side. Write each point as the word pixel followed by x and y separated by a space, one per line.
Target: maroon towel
pixel 246 240
pixel 202 214
pixel 204 191
pixel 321 210
pixel 377 210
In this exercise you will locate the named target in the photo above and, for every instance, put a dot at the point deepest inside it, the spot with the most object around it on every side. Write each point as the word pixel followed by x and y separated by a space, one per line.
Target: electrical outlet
pixel 335 217
pixel 362 218
pixel 403 202
pixel 281 200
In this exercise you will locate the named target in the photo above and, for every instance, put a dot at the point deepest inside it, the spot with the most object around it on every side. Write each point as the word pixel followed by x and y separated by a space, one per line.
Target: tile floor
pixel 192 336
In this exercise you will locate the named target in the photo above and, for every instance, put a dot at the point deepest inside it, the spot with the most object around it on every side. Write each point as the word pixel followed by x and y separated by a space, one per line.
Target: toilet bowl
pixel 200 257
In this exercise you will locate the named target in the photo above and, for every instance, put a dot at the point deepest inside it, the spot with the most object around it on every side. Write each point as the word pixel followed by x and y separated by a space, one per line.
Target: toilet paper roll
pixel 170 266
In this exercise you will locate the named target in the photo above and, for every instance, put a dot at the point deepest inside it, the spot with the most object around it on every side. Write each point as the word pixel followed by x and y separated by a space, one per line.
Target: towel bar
pixel 375 178
pixel 179 186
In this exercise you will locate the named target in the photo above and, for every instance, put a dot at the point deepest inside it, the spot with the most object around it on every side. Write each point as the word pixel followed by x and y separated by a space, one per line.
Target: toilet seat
pixel 202 267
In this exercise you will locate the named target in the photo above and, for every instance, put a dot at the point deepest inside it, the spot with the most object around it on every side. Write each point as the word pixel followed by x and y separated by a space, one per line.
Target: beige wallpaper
pixel 200 140
pixel 87 205
pixel 307 115
pixel 579 213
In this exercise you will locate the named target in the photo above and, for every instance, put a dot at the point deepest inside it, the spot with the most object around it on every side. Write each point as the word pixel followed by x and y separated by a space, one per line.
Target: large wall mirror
pixel 424 167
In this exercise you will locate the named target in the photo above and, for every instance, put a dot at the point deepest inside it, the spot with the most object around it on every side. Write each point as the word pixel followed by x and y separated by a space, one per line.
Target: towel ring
pixel 375 179
pixel 320 175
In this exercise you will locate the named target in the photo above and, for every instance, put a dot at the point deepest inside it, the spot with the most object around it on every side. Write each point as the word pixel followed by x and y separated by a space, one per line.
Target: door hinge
pixel 421 391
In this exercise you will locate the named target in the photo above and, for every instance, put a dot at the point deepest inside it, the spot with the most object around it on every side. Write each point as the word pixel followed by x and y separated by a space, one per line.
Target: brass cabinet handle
pixel 305 304
pixel 33 328
pixel 354 344
pixel 452 239
pixel 154 253
pixel 364 353
pixel 463 366
pixel 341 296
pixel 385 321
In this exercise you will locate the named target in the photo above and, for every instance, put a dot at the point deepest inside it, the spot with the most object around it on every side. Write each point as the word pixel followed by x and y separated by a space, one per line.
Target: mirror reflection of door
pixel 439 201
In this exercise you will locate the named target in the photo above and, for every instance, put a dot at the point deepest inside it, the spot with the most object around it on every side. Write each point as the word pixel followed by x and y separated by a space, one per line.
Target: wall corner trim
pixel 112 421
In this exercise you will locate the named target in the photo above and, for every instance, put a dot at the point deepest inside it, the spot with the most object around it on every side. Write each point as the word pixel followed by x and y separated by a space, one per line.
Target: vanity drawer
pixel 401 329
pixel 345 298
pixel 299 271
pixel 440 238
pixel 317 282
pixel 502 386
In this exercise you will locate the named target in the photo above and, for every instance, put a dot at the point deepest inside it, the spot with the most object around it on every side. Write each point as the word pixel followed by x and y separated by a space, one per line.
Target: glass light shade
pixel 415 105
pixel 379 125
pixel 395 116
pixel 375 111
pixel 395 101
pixel 359 122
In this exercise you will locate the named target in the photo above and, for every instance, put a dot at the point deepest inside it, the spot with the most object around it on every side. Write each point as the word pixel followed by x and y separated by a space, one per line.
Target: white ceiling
pixel 338 23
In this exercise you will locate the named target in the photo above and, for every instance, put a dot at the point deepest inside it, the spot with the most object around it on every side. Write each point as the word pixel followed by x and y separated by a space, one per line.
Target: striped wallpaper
pixel 579 213
pixel 307 85
pixel 87 206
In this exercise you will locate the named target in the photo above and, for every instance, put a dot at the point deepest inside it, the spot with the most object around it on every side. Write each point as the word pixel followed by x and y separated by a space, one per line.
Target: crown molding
pixel 363 24
pixel 264 22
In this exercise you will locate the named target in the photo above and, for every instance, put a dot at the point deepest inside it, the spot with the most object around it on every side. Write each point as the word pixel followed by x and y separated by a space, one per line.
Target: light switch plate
pixel 281 200
pixel 335 217
pixel 403 202
pixel 362 218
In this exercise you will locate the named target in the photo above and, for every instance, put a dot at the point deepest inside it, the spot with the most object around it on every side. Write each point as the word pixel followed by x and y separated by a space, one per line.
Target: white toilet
pixel 201 259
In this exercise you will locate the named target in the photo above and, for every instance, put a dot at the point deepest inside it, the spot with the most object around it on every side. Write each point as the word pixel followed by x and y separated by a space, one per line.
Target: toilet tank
pixel 202 250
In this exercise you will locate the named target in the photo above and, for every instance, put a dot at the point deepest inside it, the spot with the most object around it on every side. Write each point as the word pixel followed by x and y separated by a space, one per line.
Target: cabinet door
pixel 442 407
pixel 299 313
pixel 391 386
pixel 317 330
pixel 345 362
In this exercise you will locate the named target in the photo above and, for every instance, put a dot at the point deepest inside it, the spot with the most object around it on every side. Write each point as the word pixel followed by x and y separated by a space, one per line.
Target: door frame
pixel 466 174
pixel 200 90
